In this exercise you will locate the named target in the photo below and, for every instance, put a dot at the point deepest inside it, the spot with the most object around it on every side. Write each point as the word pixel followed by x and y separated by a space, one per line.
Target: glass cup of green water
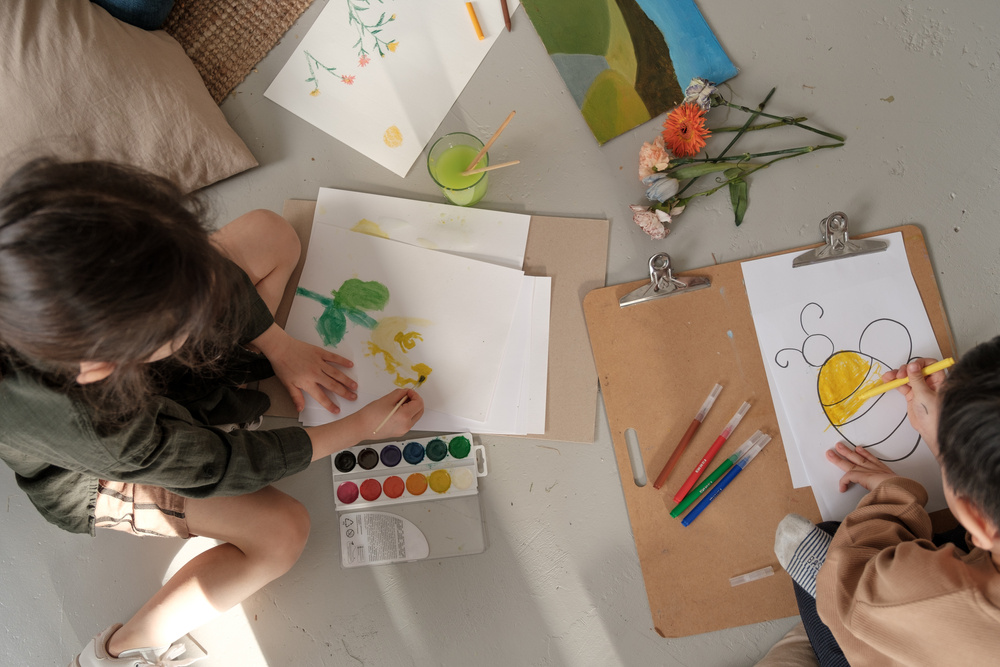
pixel 449 157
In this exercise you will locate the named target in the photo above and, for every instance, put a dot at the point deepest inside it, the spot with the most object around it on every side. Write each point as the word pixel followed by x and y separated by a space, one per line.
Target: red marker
pixel 682 445
pixel 712 451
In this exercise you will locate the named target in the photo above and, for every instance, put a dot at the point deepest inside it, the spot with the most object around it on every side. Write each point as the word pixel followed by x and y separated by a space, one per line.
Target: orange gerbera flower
pixel 685 131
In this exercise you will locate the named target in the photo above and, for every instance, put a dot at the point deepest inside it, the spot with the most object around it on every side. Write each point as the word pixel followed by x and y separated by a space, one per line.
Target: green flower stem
pixel 742 130
pixel 750 120
pixel 676 200
pixel 789 152
pixel 795 122
pixel 766 126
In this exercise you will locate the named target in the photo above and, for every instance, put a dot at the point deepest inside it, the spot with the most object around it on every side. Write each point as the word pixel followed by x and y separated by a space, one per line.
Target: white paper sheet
pixel 450 313
pixel 490 236
pixel 380 75
pixel 850 319
pixel 536 376
pixel 510 395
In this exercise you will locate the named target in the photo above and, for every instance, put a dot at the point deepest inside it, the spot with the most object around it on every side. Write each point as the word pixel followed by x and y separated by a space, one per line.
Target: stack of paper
pixel 409 289
pixel 827 332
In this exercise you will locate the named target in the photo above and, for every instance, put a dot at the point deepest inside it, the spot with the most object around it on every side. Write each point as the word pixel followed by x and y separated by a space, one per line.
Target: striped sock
pixel 808 558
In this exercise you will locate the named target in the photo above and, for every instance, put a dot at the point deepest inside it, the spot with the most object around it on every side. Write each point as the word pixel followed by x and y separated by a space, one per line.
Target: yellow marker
pixel 933 368
pixel 475 21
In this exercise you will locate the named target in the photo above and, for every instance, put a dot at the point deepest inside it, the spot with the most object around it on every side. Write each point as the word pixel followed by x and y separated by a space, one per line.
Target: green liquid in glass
pixel 447 171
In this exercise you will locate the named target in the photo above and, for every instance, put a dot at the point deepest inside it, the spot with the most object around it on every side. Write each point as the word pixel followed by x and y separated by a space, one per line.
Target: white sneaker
pixel 182 652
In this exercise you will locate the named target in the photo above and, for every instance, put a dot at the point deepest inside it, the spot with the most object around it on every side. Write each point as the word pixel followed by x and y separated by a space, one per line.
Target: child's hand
pixel 859 466
pixel 923 405
pixel 402 421
pixel 303 367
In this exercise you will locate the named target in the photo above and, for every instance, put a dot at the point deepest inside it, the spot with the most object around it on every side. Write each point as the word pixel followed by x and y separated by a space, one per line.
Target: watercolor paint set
pixel 409 500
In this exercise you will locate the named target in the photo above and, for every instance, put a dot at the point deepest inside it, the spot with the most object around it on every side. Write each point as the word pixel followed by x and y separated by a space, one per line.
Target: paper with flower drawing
pixel 490 236
pixel 380 75
pixel 401 313
pixel 518 405
pixel 627 61
pixel 826 333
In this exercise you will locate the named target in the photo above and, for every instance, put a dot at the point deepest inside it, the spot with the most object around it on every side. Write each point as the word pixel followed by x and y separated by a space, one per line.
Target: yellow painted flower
pixel 392 45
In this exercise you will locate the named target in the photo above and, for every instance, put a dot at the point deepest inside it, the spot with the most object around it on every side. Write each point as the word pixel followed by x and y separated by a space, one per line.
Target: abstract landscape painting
pixel 627 61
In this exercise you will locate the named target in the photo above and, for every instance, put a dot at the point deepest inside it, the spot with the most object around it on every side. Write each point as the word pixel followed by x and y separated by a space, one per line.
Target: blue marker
pixel 724 482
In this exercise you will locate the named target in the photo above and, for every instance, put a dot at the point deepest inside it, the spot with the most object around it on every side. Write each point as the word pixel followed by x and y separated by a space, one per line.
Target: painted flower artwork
pixel 370 40
pixel 392 338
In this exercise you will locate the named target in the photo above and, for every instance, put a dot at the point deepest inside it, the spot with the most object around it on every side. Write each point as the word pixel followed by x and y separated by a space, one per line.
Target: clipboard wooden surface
pixel 573 252
pixel 657 362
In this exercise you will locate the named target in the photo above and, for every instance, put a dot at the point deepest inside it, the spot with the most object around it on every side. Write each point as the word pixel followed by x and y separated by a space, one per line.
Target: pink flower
pixel 651 221
pixel 653 157
pixel 348 79
pixel 364 60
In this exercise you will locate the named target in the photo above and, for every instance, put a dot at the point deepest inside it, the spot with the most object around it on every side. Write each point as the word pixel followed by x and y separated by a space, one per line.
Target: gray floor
pixel 913 86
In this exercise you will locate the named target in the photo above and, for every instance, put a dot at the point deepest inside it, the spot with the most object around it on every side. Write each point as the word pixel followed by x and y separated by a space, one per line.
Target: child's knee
pixel 291 532
pixel 277 235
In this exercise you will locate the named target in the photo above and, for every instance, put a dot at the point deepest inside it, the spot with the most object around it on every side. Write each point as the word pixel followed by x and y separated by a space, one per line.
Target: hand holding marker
pixel 927 370
pixel 716 474
pixel 712 451
pixel 724 482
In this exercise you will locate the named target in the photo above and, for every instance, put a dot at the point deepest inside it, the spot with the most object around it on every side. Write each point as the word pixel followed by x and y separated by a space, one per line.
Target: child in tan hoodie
pixel 887 590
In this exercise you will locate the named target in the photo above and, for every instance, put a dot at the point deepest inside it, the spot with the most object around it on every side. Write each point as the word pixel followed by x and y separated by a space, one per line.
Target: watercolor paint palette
pixel 410 500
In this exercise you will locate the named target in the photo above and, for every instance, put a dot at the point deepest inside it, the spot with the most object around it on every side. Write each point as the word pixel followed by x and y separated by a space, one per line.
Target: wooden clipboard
pixel 656 362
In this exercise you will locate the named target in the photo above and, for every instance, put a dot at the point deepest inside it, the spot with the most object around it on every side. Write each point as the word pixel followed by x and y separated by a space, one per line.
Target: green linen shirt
pixel 49 441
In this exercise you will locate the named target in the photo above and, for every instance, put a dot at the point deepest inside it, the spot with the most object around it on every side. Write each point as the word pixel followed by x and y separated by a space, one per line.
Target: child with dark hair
pixel 127 336
pixel 888 590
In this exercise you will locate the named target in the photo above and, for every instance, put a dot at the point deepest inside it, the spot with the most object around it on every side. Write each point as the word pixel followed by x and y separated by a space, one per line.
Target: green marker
pixel 716 474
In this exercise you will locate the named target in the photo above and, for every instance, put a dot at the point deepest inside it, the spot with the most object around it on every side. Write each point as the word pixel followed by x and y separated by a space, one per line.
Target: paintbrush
pixel 489 143
pixel 470 172
pixel 398 405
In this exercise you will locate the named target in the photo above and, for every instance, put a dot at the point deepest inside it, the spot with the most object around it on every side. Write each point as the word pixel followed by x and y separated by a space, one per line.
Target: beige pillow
pixel 79 84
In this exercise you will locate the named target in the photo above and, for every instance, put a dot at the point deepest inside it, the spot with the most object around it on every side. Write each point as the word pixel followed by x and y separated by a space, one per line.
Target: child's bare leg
pixel 266 247
pixel 264 532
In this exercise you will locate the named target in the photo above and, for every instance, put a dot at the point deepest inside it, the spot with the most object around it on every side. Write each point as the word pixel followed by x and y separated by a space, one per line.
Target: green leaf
pixel 738 196
pixel 362 295
pixel 687 171
pixel 695 170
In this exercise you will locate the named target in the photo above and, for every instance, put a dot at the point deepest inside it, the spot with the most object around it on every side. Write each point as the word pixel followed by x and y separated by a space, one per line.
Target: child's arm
pixel 883 579
pixel 361 425
pixel 303 367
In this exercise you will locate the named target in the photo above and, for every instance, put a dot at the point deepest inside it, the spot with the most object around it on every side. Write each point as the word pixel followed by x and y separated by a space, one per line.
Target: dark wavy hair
pixel 969 428
pixel 104 262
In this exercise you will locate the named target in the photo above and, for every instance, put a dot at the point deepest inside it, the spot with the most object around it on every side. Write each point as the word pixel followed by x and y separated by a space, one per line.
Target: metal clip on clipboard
pixel 838 243
pixel 662 283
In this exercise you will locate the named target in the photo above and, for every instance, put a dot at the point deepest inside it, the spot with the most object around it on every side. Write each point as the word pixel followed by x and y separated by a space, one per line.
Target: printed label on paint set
pixel 376 538
pixel 367 476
